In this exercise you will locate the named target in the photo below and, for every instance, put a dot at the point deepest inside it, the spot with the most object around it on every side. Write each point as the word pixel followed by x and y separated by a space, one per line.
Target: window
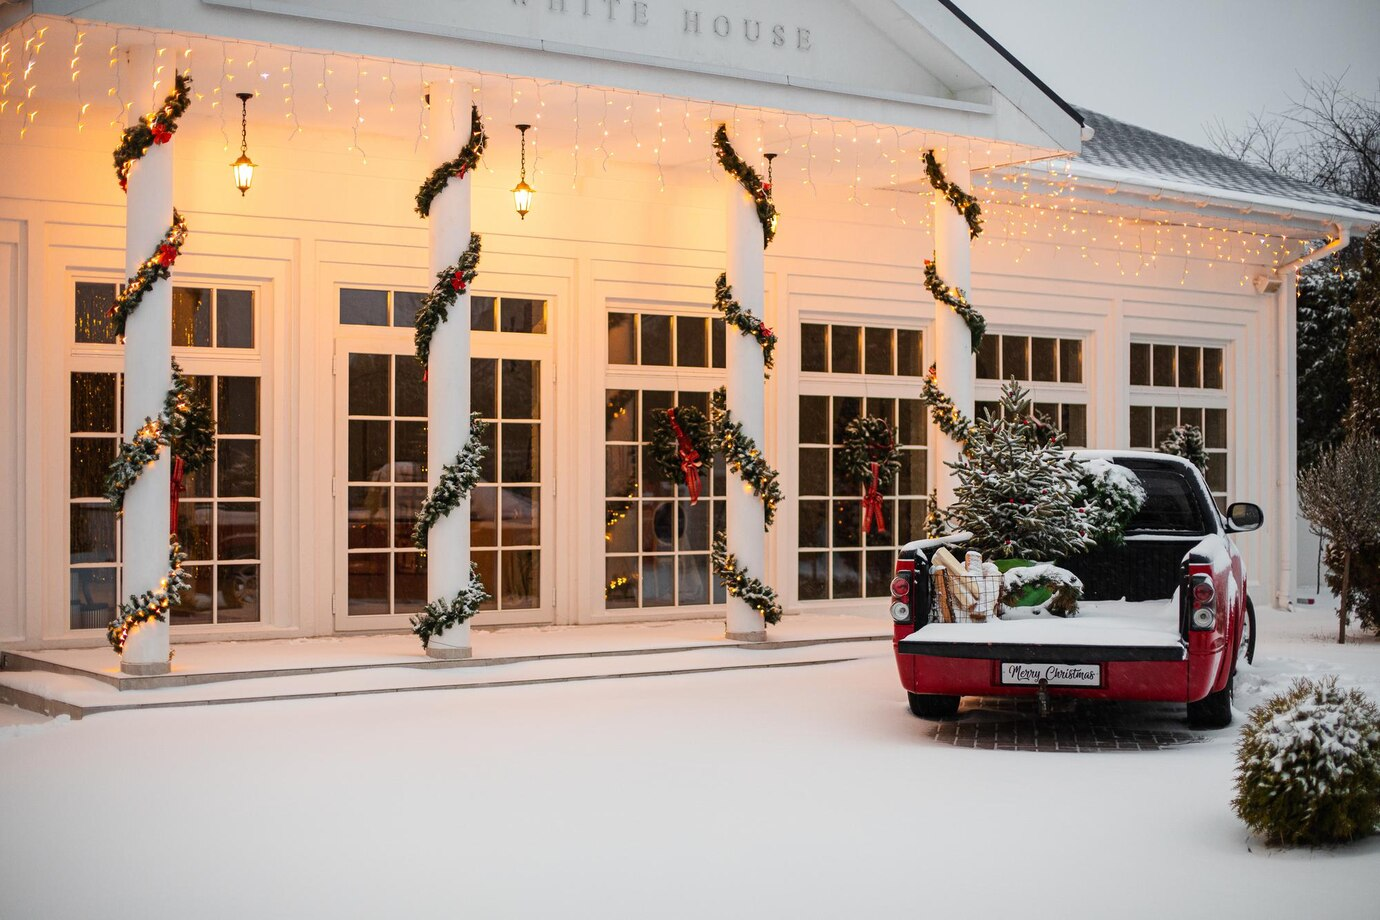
pixel 657 543
pixel 661 340
pixel 1150 425
pixel 836 559
pixel 508 314
pixel 1031 359
pixel 1176 366
pixel 219 514
pixel 878 350
pixel 360 307
pixel 1173 384
pixel 1070 418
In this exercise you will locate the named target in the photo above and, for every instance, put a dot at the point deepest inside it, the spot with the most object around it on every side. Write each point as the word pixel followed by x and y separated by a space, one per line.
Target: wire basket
pixel 965 598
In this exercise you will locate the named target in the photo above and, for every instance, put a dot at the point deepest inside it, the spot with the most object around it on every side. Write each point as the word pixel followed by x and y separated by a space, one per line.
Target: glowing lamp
pixel 522 192
pixel 243 168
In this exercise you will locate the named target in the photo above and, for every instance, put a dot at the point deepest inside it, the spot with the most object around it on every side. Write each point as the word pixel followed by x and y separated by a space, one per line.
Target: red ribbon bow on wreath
pixel 689 457
pixel 873 521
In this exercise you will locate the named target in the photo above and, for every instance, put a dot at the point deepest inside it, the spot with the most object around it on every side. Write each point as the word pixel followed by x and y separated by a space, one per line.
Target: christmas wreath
pixel 871 459
pixel 438 616
pixel 957 300
pixel 185 425
pixel 1187 441
pixel 457 481
pixel 1062 588
pixel 157 267
pixel 965 204
pixel 682 444
pixel 947 417
pixel 738 583
pixel 151 605
pixel 744 457
pixel 466 160
pixel 152 129
pixel 450 284
pixel 744 321
pixel 749 179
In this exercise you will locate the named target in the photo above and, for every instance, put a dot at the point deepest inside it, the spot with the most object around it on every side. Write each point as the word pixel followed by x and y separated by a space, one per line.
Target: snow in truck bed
pixel 1111 623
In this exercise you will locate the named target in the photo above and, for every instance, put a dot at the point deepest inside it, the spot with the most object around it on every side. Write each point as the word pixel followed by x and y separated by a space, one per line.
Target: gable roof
pixel 1127 150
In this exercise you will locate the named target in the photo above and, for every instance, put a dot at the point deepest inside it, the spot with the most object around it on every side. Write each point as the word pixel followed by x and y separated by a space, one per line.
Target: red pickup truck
pixel 1164 616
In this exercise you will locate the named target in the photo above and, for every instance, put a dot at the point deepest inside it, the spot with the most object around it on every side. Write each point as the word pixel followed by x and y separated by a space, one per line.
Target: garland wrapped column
pixel 144 168
pixel 453 586
pixel 746 538
pixel 954 338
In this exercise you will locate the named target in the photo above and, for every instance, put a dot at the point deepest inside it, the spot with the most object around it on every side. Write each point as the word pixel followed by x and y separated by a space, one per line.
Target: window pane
pixel 1191 416
pixel 237 530
pixel 913 477
pixel 847 574
pixel 196 608
pixel 814 523
pixel 93 598
pixel 92 537
pixel 1015 357
pixel 90 459
pixel 1190 366
pixel 620 415
pixel 93 403
pixel 845 349
pixel 847 522
pixel 814 420
pixel 813 580
pixel 484 387
pixel 369 451
pixel 367 584
pixel 622 338
pixel 621 587
pixel 517 314
pixel 235 319
pixel 1142 429
pixel 237 468
pixel 1215 428
pixel 814 347
pixel 484 517
pixel 486 566
pixel 692 341
pixel 521 453
pixel 1047 413
pixel 194 529
pixel 655 339
pixel 1163 365
pixel 880 567
pixel 910 356
pixel 1071 360
pixel 1140 364
pixel 1074 423
pixel 409 451
pixel 406 306
pixel 1042 360
pixel 1216 474
pixel 620 471
pixel 367 510
pixel 369 384
pixel 814 471
pixel 878 350
pixel 363 308
pixel 620 527
pixel 237 405
pixel 521 589
pixel 239 594
pixel 521 389
pixel 658 581
pixel 93 324
pixel 191 317
pixel 1212 368
pixel 718 333
pixel 409 582
pixel 846 408
pixel 989 358
pixel 693 585
pixel 521 516
pixel 483 315
pixel 409 398
pixel 407 501
pixel 695 534
pixel 913 429
pixel 1165 419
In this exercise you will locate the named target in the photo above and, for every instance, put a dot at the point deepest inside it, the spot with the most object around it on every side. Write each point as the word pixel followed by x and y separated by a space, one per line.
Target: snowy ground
pixel 802 792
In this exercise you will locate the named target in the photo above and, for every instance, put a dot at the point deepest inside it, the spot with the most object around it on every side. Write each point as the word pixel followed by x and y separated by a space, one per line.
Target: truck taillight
pixel 1202 597
pixel 900 587
pixel 900 590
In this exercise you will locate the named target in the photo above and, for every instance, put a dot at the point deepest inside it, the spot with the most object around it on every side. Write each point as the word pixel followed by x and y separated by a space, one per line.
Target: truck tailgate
pixel 1052 640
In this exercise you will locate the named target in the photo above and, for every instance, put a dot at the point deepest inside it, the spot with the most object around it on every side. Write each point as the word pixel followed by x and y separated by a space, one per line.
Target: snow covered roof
pixel 1126 151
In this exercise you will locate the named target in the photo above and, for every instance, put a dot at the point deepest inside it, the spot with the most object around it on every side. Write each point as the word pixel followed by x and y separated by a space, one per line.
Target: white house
pixel 1135 282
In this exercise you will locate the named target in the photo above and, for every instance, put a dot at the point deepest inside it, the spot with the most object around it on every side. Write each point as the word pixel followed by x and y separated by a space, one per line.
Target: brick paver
pixel 1073 726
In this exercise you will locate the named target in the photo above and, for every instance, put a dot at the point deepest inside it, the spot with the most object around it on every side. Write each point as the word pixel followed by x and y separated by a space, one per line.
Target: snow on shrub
pixel 1065 587
pixel 1113 494
pixel 1308 766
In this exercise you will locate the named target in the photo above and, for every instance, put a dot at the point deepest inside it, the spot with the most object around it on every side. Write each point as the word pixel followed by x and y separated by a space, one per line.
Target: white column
pixel 1286 494
pixel 448 376
pixel 148 374
pixel 747 538
pixel 953 352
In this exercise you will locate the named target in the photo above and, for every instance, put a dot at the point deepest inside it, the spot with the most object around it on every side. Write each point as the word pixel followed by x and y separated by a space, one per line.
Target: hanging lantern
pixel 243 168
pixel 769 157
pixel 522 192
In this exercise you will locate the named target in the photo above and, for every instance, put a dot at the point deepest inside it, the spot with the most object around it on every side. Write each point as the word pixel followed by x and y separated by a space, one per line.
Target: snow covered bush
pixel 1187 441
pixel 1064 587
pixel 1113 494
pixel 1308 766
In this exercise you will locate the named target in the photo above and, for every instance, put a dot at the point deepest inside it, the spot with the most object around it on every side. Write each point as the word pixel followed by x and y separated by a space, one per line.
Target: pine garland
pixel 450 284
pixel 457 481
pixel 664 446
pixel 740 584
pixel 466 160
pixel 157 267
pixel 438 616
pixel 965 204
pixel 744 321
pixel 749 179
pixel 151 605
pixel 152 129
pixel 185 425
pixel 957 300
pixel 947 417
pixel 1187 441
pixel 744 458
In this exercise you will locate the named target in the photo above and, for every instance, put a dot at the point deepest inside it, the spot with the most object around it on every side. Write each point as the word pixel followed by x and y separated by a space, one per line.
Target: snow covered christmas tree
pixel 1017 489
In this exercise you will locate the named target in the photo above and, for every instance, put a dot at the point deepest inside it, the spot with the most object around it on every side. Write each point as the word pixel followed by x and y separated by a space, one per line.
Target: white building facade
pixel 1128 297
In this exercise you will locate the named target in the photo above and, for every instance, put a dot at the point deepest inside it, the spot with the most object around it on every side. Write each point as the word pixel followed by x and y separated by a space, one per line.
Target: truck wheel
pixel 1247 647
pixel 1213 710
pixel 933 705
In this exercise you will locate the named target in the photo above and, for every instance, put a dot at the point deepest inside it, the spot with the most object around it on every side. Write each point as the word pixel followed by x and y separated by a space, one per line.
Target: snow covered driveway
pixel 791 792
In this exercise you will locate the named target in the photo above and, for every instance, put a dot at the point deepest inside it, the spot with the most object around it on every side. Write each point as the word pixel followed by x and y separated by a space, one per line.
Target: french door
pixel 380 481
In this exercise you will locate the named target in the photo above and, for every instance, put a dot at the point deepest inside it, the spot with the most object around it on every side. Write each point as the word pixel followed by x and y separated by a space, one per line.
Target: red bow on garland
pixel 689 457
pixel 175 491
pixel 161 134
pixel 873 521
pixel 457 282
pixel 167 254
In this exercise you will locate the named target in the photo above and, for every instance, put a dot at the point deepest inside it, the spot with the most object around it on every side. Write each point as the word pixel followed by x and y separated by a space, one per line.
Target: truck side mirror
pixel 1243 517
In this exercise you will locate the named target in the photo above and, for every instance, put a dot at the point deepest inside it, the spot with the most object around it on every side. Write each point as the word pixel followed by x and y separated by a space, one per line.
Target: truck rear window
pixel 1170 503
